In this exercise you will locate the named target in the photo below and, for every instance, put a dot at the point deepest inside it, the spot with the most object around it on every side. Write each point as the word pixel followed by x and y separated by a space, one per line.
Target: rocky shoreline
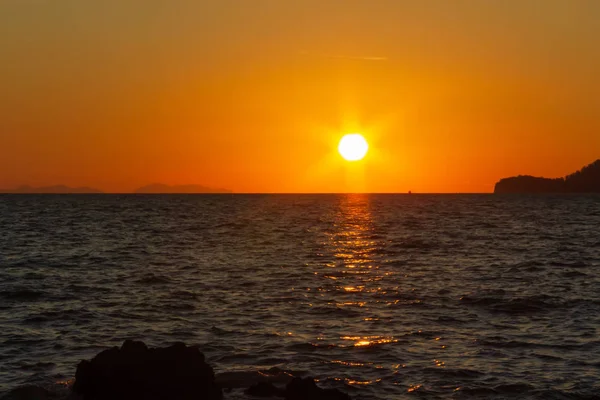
pixel 177 372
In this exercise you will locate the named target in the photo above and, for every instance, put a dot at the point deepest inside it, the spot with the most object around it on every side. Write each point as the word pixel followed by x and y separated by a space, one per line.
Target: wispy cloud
pixel 365 58
pixel 343 56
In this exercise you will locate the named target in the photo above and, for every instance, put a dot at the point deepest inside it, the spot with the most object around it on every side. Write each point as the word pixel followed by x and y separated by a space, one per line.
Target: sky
pixel 254 95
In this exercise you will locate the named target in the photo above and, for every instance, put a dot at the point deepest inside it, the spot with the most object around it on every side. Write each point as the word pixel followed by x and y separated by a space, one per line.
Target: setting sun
pixel 353 147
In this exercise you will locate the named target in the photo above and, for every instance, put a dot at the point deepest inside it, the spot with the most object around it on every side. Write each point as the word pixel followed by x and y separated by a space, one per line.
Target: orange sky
pixel 253 95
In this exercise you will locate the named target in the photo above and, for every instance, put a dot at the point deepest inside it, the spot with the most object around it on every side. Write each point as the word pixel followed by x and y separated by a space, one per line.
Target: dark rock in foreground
pixel 136 372
pixel 246 379
pixel 264 389
pixel 28 393
pixel 297 389
pixel 307 389
pixel 587 180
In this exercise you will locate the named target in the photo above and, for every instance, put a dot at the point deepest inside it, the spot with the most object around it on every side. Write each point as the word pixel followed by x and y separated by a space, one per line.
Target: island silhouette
pixel 160 188
pixel 55 189
pixel 586 180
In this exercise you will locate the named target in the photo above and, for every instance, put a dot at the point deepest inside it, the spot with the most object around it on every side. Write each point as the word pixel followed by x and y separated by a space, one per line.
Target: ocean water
pixel 382 296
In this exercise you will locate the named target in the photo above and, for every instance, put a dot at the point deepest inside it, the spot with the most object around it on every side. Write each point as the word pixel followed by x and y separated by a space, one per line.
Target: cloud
pixel 365 58
pixel 344 57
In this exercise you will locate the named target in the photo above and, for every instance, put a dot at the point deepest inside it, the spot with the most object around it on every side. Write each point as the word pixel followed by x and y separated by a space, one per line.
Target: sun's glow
pixel 353 147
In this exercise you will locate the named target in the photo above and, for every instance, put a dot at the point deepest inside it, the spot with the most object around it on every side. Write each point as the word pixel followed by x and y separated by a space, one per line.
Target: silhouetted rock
pixel 264 389
pixel 29 393
pixel 245 379
pixel 530 184
pixel 307 389
pixel 136 372
pixel 58 189
pixel 587 180
pixel 159 188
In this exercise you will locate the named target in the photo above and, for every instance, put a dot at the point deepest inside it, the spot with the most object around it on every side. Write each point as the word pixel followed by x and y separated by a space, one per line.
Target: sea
pixel 381 296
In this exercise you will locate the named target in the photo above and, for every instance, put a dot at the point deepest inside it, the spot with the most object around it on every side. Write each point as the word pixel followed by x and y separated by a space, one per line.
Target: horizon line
pixel 244 193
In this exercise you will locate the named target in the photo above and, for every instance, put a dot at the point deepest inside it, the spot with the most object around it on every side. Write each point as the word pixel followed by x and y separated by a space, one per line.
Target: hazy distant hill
pixel 58 189
pixel 586 180
pixel 159 188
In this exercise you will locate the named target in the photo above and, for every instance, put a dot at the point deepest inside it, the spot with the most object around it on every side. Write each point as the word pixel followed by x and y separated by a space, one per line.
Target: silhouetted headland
pixel 57 189
pixel 586 180
pixel 159 188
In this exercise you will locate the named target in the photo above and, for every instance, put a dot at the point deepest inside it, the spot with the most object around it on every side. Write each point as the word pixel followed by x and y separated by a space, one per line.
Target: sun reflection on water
pixel 350 239
pixel 350 242
pixel 354 276
pixel 369 340
pixel 414 388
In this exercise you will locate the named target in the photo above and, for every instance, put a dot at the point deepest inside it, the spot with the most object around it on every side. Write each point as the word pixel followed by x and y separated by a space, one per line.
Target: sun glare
pixel 353 147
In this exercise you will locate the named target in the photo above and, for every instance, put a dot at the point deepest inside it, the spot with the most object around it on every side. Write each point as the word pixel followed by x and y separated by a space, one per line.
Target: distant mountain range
pixel 159 188
pixel 586 180
pixel 57 189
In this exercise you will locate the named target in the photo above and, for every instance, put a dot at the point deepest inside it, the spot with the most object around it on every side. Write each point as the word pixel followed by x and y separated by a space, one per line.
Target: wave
pixel 37 367
pixel 22 294
pixel 504 343
pixel 573 264
pixel 453 373
pixel 413 243
pixel 244 379
pixel 79 316
pixel 153 279
pixel 498 302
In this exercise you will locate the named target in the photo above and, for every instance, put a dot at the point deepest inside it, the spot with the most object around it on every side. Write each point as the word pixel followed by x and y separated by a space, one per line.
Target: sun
pixel 353 147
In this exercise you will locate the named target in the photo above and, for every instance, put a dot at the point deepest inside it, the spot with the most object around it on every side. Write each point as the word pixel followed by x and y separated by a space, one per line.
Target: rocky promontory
pixel 586 180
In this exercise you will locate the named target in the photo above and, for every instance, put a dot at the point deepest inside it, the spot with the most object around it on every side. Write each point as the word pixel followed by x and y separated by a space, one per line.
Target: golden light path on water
pixel 358 278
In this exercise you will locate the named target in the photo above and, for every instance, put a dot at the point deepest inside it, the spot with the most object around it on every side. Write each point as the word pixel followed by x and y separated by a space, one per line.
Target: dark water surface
pixel 383 296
